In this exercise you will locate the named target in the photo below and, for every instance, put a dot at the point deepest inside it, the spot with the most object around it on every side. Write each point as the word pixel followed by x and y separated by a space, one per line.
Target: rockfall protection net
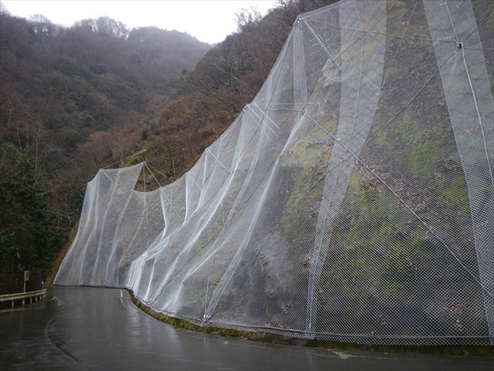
pixel 352 200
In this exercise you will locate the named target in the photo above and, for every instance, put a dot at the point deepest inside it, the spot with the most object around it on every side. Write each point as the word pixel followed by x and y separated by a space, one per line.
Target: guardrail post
pixel 23 296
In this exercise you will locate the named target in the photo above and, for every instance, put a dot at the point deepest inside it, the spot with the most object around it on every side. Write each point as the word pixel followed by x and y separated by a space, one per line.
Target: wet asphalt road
pixel 100 329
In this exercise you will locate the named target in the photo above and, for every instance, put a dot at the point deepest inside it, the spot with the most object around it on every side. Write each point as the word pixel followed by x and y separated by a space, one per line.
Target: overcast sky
pixel 209 21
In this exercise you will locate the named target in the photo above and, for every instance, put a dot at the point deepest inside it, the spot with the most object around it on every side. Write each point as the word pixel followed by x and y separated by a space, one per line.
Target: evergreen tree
pixel 29 235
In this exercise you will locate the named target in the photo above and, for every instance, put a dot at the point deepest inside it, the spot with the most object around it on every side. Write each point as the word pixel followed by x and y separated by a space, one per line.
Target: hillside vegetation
pixel 94 95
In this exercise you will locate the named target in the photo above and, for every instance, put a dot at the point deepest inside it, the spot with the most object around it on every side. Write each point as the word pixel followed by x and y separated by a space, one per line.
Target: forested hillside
pixel 73 100
pixel 224 81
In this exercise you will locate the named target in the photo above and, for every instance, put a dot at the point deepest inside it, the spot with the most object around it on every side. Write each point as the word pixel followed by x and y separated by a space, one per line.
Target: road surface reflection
pixel 100 329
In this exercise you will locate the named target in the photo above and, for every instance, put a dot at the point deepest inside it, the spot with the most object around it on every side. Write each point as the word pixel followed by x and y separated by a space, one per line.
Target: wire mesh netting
pixel 352 200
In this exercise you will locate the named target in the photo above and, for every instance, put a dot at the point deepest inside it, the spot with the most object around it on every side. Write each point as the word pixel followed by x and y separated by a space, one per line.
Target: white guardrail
pixel 36 295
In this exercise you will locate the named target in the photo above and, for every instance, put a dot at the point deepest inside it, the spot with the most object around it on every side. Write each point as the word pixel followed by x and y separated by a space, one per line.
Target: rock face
pixel 352 200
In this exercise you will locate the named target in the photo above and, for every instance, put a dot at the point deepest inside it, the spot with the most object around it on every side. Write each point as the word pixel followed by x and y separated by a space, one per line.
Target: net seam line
pixel 315 274
pixel 488 313
pixel 478 115
pixel 321 44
